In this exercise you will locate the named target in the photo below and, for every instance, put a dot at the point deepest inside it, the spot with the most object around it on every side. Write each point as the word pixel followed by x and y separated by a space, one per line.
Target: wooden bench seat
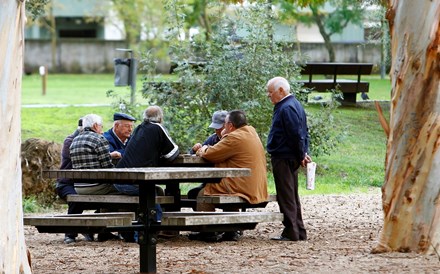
pixel 115 199
pixel 81 223
pixel 231 202
pixel 216 221
pixel 223 199
pixel 113 202
pixel 123 221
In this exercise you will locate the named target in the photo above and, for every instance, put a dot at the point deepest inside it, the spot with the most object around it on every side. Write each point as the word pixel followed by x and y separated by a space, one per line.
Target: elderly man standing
pixel 119 135
pixel 287 145
pixel 239 147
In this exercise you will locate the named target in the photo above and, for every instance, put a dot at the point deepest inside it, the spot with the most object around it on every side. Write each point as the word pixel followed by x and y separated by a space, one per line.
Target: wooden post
pixel 43 73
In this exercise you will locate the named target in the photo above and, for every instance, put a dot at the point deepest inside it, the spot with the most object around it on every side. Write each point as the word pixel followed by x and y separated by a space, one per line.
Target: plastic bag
pixel 311 168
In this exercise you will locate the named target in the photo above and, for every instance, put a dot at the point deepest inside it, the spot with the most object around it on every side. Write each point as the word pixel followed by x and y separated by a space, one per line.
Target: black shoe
pixel 88 237
pixel 105 236
pixel 232 236
pixel 209 237
pixel 69 240
pixel 281 238
pixel 167 234
pixel 128 237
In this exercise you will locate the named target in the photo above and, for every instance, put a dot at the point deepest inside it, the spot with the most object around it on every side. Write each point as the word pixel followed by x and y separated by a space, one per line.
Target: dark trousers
pixel 74 208
pixel 285 173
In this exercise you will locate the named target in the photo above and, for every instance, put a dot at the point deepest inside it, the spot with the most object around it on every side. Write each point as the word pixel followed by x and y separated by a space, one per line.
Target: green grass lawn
pixel 92 88
pixel 358 162
pixel 356 165
pixel 68 89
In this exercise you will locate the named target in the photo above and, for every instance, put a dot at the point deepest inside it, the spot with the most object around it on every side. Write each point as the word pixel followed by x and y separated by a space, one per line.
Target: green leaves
pixel 239 59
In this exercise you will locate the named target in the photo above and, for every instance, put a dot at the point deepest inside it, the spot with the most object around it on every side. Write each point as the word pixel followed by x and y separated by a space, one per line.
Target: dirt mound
pixel 38 155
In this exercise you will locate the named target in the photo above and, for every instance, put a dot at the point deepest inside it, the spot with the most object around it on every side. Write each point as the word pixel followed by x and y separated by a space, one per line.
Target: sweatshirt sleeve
pixel 221 151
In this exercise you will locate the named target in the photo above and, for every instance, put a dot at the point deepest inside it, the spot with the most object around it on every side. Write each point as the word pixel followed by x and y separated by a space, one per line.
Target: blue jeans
pixel 133 190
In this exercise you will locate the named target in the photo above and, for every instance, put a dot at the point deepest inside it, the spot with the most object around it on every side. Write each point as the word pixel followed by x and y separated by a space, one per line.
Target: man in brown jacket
pixel 239 147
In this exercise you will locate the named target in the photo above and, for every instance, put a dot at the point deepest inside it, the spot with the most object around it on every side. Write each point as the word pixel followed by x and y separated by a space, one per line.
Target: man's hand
pixel 115 155
pixel 196 147
pixel 201 151
pixel 307 159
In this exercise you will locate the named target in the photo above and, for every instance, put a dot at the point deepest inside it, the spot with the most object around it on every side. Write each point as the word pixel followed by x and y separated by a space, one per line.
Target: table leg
pixel 173 189
pixel 147 238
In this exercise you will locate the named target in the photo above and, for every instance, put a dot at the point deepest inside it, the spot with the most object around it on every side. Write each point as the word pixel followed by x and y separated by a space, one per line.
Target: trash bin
pixel 122 72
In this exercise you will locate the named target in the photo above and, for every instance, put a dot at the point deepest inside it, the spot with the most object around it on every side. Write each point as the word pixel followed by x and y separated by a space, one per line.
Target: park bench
pixel 349 88
pixel 216 221
pixel 130 203
pixel 125 221
pixel 79 223
pixel 233 202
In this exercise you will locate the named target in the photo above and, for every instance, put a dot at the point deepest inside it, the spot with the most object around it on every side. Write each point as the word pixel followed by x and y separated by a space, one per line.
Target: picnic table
pixel 173 199
pixel 147 179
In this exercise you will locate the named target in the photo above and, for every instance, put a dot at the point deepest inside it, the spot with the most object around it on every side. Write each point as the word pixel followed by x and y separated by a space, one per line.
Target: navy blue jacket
pixel 114 142
pixel 288 136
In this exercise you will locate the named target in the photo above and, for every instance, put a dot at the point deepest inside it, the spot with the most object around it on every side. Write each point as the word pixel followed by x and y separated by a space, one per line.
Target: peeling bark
pixel 13 256
pixel 412 186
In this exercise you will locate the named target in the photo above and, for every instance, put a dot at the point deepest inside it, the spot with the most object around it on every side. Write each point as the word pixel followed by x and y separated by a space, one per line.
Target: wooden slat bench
pixel 349 88
pixel 114 199
pixel 80 223
pixel 216 221
pixel 232 202
pixel 123 221
pixel 113 202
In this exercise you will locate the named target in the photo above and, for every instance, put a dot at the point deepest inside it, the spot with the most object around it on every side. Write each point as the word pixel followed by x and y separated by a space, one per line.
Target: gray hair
pixel 90 119
pixel 279 82
pixel 153 114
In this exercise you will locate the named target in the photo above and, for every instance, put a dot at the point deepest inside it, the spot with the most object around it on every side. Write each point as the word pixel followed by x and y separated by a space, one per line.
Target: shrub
pixel 239 60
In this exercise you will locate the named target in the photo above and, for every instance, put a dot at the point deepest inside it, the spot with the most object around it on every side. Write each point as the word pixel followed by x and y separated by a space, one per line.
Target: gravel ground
pixel 342 231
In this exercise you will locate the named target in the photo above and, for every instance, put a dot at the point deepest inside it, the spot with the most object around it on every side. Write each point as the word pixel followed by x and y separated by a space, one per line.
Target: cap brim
pixel 216 126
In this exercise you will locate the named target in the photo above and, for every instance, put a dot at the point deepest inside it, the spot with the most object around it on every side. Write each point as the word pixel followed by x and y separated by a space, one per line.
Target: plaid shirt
pixel 90 150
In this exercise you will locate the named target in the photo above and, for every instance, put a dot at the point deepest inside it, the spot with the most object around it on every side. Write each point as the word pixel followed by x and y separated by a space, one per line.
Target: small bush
pixel 239 60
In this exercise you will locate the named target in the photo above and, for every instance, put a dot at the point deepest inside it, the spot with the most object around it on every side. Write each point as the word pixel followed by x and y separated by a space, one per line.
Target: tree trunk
pixel 412 187
pixel 12 246
pixel 318 18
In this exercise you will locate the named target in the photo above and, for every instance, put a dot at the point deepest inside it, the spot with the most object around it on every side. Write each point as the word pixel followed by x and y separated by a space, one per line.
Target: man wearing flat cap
pixel 119 135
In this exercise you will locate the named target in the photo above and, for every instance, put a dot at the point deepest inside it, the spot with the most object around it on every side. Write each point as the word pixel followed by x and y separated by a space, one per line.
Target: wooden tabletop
pixel 188 160
pixel 148 173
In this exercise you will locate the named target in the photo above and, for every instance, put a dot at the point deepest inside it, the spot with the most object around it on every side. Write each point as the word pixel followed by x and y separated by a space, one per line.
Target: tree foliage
pixel 143 23
pixel 36 7
pixel 239 59
pixel 331 16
